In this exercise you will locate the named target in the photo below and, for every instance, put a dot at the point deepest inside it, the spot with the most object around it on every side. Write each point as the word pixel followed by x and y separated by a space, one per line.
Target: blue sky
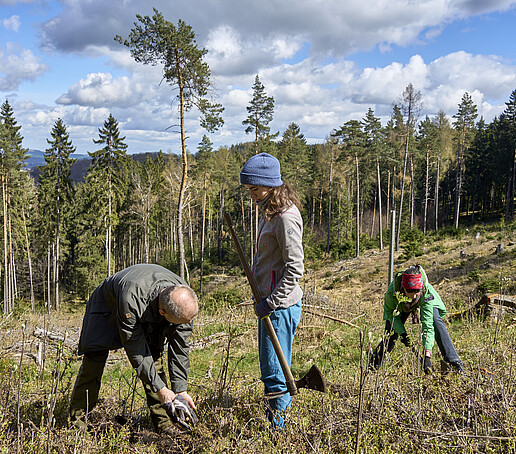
pixel 325 62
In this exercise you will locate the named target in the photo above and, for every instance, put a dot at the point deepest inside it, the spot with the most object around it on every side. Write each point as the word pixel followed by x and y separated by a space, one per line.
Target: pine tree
pixel 155 40
pixel 260 110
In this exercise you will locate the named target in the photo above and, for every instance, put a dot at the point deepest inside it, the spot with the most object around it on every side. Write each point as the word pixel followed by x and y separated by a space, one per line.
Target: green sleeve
pixel 178 356
pixel 427 325
pixel 389 306
pixel 431 300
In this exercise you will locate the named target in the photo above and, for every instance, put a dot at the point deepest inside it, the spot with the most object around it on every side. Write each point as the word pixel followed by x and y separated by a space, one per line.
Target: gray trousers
pixel 442 338
pixel 85 393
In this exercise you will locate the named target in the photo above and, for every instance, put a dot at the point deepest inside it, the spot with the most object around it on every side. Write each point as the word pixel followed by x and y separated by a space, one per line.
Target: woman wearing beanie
pixel 277 268
pixel 408 292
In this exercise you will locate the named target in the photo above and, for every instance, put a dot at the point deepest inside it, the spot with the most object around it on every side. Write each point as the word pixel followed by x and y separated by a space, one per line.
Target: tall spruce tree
pixel 374 135
pixel 109 163
pixel 411 105
pixel 508 126
pixel 444 150
pixel 464 124
pixel 352 143
pixel 56 195
pixel 293 156
pixel 203 169
pixel 15 199
pixel 155 40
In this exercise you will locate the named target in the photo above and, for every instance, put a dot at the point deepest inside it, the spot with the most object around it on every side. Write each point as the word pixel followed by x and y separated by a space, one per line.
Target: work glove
pixel 181 413
pixel 405 340
pixel 263 310
pixel 377 357
pixel 427 365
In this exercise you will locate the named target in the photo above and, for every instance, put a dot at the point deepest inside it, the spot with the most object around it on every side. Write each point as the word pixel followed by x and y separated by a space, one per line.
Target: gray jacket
pixel 278 262
pixel 123 312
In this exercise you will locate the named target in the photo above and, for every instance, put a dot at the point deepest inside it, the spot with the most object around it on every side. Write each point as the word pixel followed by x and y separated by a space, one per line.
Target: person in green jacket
pixel 139 309
pixel 408 292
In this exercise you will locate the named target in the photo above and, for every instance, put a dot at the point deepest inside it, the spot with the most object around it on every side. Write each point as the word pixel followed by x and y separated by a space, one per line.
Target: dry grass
pixel 402 410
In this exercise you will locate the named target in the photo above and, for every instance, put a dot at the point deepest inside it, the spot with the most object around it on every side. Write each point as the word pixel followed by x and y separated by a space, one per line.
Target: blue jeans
pixel 284 322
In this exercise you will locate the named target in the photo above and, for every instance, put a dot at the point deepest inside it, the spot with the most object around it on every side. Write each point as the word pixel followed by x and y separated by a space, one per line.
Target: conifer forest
pixel 62 238
pixel 438 190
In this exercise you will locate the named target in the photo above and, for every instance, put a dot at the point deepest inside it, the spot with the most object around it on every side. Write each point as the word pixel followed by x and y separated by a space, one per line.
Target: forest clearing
pixel 442 188
pixel 397 409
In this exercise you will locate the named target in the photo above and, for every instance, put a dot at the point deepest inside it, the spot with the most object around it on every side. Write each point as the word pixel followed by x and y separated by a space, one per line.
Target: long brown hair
pixel 281 198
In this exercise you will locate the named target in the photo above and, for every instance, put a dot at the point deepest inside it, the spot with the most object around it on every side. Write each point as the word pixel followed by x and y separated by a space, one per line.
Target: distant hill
pixel 37 158
pixel 79 169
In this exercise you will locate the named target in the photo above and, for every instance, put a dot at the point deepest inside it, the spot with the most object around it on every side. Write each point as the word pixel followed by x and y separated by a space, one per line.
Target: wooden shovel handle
pixel 289 379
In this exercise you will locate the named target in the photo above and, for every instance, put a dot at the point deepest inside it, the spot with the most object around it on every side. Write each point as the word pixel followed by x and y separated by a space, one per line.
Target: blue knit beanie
pixel 261 170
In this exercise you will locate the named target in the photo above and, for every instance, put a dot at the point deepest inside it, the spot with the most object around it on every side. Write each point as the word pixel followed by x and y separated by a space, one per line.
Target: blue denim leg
pixel 444 341
pixel 284 322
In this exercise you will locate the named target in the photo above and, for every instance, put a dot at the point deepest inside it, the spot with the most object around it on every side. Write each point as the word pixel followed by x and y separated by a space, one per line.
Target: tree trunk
pixel 358 210
pixel 371 235
pixel 474 202
pixel 220 223
pixel 7 303
pixel 210 226
pixel 427 179
pixel 203 228
pixel 109 231
pixel 184 175
pixel 312 218
pixel 380 224
pixel 320 205
pixel 338 215
pixel 329 203
pixel 412 194
pixel 458 180
pixel 403 181
pixel 32 299
pixel 190 231
pixel 388 193
pixel 436 197
pixel 49 282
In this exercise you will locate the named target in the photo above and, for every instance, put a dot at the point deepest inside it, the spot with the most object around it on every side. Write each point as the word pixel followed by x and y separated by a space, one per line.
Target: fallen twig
pixel 330 317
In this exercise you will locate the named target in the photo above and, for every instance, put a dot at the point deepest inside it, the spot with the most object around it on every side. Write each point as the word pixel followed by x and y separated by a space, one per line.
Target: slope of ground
pixel 396 409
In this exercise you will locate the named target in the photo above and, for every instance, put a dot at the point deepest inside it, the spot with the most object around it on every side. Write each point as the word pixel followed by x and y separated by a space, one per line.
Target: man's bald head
pixel 178 304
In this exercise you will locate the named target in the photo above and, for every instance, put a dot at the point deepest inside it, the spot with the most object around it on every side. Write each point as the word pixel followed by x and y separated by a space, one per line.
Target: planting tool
pixel 313 379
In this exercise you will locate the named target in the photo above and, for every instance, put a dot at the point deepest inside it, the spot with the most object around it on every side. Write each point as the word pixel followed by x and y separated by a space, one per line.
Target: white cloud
pixel 320 92
pixel 12 23
pixel 267 32
pixel 18 65
pixel 101 90
pixel 488 74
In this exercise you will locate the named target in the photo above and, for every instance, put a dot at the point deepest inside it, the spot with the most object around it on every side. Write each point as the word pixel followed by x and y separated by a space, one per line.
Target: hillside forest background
pixel 60 238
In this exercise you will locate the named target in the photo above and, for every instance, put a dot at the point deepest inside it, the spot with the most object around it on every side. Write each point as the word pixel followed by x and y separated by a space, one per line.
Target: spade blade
pixel 312 380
